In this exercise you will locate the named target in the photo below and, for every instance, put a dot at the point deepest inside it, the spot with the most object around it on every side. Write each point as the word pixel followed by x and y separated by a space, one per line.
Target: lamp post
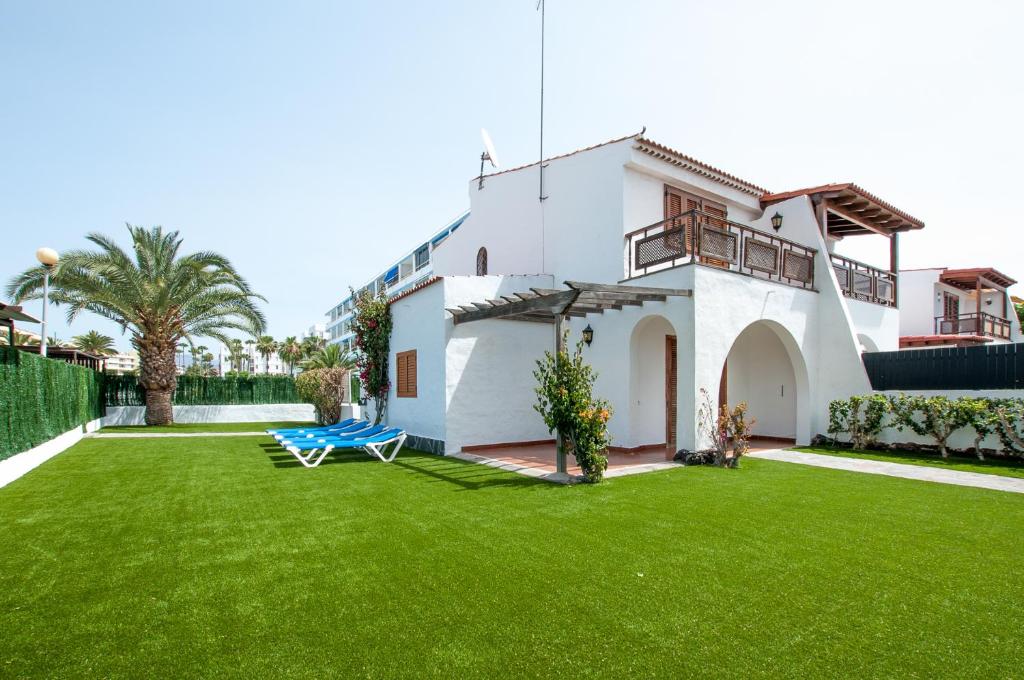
pixel 47 257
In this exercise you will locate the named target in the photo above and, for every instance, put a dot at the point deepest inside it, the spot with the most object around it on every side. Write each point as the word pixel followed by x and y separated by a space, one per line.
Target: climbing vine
pixel 371 324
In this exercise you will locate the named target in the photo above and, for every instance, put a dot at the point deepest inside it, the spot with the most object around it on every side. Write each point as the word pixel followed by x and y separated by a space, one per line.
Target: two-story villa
pixel 956 307
pixel 689 281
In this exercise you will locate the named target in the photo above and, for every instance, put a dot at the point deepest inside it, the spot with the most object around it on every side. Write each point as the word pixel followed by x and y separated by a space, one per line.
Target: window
pixel 481 262
pixel 950 305
pixel 422 257
pixel 405 364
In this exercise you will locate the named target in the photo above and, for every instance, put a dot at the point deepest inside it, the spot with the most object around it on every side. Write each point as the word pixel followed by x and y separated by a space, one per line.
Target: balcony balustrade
pixel 699 237
pixel 986 325
pixel 864 282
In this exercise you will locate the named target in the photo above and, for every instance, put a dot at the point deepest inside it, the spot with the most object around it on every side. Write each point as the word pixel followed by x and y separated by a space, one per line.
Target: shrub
pixel 709 426
pixel 861 417
pixel 1009 416
pixel 733 422
pixel 935 417
pixel 325 389
pixel 728 425
pixel 565 400
pixel 982 417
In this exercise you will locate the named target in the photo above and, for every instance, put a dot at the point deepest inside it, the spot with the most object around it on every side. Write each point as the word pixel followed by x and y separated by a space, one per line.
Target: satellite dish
pixel 489 153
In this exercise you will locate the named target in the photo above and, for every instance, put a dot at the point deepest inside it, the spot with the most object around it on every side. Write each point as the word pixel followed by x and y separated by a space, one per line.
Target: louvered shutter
pixel 405 368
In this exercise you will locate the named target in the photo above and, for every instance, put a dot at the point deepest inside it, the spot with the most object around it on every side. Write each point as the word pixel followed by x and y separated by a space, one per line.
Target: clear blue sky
pixel 314 142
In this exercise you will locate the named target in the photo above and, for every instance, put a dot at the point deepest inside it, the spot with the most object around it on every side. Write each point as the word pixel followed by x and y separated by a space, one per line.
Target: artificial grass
pixel 223 557
pixel 1004 467
pixel 208 427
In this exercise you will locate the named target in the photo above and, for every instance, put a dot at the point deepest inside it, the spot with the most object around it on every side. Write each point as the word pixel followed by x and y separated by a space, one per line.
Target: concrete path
pixel 877 467
pixel 146 435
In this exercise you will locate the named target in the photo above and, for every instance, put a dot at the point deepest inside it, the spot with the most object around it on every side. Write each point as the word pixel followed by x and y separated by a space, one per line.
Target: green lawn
pixel 223 557
pixel 996 466
pixel 207 427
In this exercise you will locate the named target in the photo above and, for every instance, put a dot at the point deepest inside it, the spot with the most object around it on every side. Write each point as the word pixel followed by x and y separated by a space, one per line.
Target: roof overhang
pixel 15 313
pixel 851 210
pixel 939 340
pixel 545 305
pixel 673 157
pixel 972 279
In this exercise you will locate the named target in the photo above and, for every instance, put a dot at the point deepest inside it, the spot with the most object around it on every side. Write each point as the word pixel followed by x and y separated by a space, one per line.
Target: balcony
pixel 699 237
pixel 985 325
pixel 864 282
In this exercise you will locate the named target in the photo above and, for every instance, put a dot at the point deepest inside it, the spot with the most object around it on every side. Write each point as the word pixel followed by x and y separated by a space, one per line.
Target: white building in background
pixel 122 362
pixel 690 280
pixel 408 271
pixel 940 306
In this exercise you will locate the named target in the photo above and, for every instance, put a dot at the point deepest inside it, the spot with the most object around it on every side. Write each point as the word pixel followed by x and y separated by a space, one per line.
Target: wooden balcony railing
pixel 973 324
pixel 864 282
pixel 697 236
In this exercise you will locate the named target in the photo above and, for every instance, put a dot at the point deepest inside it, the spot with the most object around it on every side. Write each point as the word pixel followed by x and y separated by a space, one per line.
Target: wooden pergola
pixel 977 280
pixel 11 313
pixel 554 306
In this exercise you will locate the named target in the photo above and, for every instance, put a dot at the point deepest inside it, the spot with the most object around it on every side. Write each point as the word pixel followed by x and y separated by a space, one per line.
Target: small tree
pixel 1009 414
pixel 565 386
pixel 935 417
pixel 860 417
pixel 371 324
pixel 733 422
pixel 981 416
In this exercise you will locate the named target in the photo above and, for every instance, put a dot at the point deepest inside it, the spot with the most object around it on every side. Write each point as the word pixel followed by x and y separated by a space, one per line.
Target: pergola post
pixel 894 266
pixel 560 466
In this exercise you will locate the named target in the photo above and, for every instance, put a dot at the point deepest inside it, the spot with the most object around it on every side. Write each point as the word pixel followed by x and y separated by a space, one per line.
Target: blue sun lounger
pixel 313 440
pixel 295 430
pixel 311 451
pixel 324 432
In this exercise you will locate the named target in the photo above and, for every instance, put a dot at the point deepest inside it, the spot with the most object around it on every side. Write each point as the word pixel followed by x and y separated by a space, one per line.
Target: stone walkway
pixel 877 467
pixel 146 435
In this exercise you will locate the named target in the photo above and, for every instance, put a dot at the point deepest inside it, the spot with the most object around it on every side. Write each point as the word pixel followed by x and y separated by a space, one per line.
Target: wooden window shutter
pixel 405 367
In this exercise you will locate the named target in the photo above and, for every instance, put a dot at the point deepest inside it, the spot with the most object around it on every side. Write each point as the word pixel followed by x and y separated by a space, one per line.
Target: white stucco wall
pixel 489 383
pixel 418 323
pixel 20 464
pixel 880 325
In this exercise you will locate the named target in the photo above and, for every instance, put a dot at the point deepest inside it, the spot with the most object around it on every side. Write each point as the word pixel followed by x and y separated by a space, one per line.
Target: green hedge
pixel 124 390
pixel 42 398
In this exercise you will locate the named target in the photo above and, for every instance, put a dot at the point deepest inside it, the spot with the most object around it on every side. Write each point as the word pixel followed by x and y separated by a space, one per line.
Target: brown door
pixel 723 388
pixel 670 391
pixel 715 217
pixel 677 203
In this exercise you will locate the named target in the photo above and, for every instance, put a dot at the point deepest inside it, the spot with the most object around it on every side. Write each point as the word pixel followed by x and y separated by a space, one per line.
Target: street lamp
pixel 47 257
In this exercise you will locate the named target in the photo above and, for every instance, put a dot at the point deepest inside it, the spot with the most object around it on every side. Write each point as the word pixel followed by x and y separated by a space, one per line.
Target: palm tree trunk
pixel 158 376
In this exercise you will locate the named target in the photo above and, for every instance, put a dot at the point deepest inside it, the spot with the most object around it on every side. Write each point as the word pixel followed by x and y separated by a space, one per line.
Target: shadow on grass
pixel 464 474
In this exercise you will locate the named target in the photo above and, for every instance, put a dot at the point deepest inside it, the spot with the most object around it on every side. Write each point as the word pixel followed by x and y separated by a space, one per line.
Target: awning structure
pixel 14 313
pixel 851 210
pixel 979 277
pixel 545 305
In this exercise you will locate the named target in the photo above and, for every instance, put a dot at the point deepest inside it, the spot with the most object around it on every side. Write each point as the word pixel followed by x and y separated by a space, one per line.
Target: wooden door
pixel 715 217
pixel 671 372
pixel 723 388
pixel 676 203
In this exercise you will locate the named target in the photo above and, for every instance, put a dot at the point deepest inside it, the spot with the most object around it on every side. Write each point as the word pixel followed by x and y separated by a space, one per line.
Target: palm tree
pixel 311 345
pixel 331 356
pixel 207 363
pixel 159 296
pixel 20 339
pixel 266 346
pixel 235 354
pixel 95 343
pixel 248 354
pixel 290 352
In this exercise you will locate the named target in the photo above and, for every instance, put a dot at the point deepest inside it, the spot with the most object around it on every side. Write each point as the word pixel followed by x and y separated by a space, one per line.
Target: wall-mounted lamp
pixel 777 221
pixel 588 335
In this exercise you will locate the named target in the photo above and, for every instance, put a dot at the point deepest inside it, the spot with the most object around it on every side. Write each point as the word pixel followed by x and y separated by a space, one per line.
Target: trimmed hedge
pixel 124 390
pixel 42 398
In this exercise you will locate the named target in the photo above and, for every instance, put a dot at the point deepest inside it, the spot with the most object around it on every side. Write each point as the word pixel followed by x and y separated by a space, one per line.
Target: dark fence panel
pixel 124 390
pixel 988 367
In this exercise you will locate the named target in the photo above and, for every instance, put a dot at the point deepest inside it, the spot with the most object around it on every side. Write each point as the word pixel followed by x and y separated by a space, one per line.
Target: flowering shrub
pixel 937 417
pixel 728 425
pixel 565 401
pixel 371 324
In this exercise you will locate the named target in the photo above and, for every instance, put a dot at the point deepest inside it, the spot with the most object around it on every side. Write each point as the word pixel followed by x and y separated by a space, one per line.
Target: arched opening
pixel 866 343
pixel 766 370
pixel 653 383
pixel 481 262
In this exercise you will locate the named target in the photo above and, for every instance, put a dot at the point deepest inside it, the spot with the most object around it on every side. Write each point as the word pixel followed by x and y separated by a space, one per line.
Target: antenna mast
pixel 540 6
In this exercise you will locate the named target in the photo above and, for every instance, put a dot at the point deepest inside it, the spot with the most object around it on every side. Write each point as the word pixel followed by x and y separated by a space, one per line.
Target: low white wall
pixel 235 413
pixel 20 463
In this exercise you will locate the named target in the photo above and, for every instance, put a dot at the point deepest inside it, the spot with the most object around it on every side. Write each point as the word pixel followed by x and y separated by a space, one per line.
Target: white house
pixel 691 280
pixel 956 307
